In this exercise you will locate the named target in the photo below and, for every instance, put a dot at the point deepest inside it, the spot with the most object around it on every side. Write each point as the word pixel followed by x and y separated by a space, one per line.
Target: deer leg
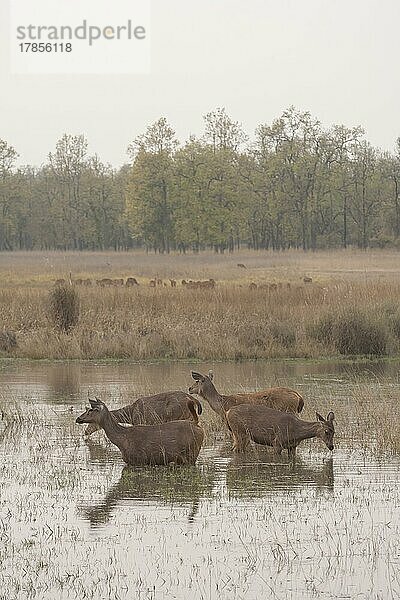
pixel 240 442
pixel 277 446
pixel 235 442
pixel 245 442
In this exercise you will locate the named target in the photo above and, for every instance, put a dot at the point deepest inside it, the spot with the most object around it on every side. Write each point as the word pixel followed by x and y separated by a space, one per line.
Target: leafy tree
pixel 67 164
pixel 8 156
pixel 149 202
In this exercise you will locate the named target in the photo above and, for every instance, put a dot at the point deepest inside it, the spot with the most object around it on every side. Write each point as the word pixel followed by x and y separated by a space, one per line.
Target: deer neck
pixel 214 399
pixel 228 402
pixel 308 430
pixel 115 432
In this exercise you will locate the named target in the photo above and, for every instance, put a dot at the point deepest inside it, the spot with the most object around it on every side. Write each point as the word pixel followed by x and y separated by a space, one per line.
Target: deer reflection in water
pixel 242 477
pixel 250 478
pixel 182 486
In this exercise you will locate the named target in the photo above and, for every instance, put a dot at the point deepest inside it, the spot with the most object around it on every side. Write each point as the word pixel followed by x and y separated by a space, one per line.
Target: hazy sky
pixel 338 59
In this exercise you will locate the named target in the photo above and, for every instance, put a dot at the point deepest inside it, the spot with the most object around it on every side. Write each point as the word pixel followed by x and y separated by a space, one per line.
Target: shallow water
pixel 74 522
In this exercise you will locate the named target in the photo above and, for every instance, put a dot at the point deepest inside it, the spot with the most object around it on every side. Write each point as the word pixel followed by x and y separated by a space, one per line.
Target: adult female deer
pixel 150 410
pixel 280 398
pixel 176 442
pixel 274 428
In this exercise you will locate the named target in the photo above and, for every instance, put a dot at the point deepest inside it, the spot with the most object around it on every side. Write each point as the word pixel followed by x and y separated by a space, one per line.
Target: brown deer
pixel 279 398
pixel 131 281
pixel 106 281
pixel 282 431
pixel 150 410
pixel 197 285
pixel 176 442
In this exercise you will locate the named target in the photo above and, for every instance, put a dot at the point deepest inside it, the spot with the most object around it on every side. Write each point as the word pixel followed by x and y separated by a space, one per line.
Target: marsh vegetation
pixel 230 527
pixel 349 308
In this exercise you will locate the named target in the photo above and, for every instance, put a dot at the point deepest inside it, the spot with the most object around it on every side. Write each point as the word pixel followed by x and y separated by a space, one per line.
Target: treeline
pixel 294 185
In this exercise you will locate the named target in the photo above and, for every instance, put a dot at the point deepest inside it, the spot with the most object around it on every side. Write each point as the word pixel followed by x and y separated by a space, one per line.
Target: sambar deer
pixel 150 410
pixel 280 398
pixel 176 442
pixel 274 428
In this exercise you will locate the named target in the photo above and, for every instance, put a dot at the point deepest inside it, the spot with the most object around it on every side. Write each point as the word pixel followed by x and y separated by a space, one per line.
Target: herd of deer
pixel 164 429
pixel 132 282
pixel 189 284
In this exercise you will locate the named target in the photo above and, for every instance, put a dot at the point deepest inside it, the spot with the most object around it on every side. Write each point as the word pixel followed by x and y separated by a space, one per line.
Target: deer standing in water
pixel 274 428
pixel 150 410
pixel 176 442
pixel 280 398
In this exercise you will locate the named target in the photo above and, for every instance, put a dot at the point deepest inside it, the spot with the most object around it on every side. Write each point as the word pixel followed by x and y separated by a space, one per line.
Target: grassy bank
pixel 228 323
pixel 349 306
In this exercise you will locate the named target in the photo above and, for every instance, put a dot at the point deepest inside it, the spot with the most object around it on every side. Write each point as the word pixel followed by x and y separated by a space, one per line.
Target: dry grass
pixel 37 269
pixel 231 322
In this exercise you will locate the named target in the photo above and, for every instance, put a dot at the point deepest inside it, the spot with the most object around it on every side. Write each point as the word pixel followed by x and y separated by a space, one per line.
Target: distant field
pixel 349 306
pixel 42 268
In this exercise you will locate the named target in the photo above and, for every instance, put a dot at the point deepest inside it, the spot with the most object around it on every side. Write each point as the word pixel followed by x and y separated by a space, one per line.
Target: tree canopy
pixel 294 184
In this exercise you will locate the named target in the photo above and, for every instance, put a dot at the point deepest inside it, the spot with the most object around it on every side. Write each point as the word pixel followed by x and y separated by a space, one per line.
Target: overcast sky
pixel 338 59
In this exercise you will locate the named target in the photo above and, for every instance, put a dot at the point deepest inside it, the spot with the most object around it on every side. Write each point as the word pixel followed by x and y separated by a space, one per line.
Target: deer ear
pixel 331 416
pixel 210 374
pixel 96 404
pixel 197 376
pixel 320 418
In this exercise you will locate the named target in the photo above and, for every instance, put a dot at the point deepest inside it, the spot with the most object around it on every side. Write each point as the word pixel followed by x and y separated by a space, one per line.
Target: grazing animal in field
pixel 176 442
pixel 106 281
pixel 241 266
pixel 160 408
pixel 131 282
pixel 307 279
pixel 280 398
pixel 197 285
pixel 282 431
pixel 172 282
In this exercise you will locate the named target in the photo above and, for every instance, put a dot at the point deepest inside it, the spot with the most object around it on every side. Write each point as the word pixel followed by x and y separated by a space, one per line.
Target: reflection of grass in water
pixel 19 410
pixel 377 409
pixel 253 480
pixel 173 484
pixel 170 485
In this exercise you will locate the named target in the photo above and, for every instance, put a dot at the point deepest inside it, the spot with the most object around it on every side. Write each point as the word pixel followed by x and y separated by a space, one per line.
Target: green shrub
pixel 64 307
pixel 355 333
pixel 352 332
